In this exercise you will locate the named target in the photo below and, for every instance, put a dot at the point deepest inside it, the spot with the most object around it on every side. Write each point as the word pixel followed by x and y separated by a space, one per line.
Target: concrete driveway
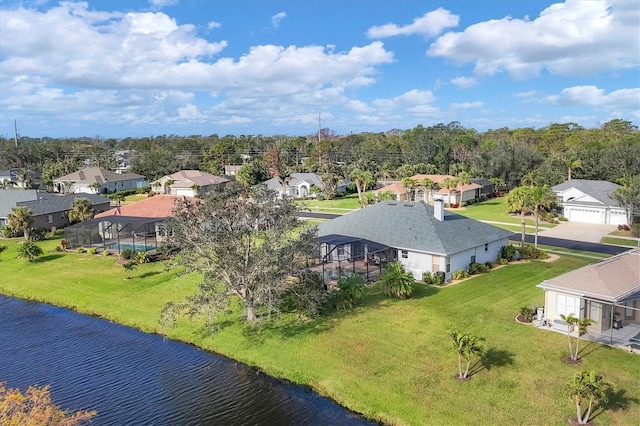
pixel 587 232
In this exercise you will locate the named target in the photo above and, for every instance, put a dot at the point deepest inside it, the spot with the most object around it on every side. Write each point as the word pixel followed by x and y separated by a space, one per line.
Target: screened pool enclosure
pixel 116 233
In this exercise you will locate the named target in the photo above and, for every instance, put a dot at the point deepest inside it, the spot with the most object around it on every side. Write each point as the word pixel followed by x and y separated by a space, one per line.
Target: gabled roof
pixel 599 189
pixel 412 225
pixel 9 198
pixel 295 180
pixel 615 279
pixel 90 175
pixel 188 178
pixel 51 203
pixel 395 188
pixel 159 206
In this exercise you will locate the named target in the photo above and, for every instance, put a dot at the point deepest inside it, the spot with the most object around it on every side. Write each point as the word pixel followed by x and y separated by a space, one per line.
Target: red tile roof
pixel 157 206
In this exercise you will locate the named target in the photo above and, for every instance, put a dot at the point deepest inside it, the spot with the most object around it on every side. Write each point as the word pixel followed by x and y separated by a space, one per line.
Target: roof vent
pixel 408 205
pixel 393 204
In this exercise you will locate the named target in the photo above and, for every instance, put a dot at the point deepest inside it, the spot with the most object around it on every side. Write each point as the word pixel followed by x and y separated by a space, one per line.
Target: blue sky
pixel 117 68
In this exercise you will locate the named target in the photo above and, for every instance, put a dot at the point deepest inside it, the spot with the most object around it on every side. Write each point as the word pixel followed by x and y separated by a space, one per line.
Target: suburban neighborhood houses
pixel 303 185
pixel 95 180
pixel 188 183
pixel 590 201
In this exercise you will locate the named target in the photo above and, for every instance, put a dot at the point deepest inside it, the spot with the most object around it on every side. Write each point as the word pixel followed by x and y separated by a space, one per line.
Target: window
pixel 50 218
pixel 405 254
pixel 486 247
pixel 448 264
pixel 567 305
pixel 473 259
pixel 340 250
pixel 594 311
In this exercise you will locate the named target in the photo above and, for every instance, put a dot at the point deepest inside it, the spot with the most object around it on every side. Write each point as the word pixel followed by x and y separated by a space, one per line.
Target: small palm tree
pixel 516 202
pixel 129 267
pixel 462 179
pixel 450 184
pixel 20 220
pixel 81 210
pixel 30 250
pixel 581 324
pixel 429 186
pixel 540 198
pixel 409 185
pixel 589 387
pixel 350 291
pixel 467 345
pixel 396 282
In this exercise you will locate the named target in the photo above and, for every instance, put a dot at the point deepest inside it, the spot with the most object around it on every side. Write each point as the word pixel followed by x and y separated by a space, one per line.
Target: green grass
pixel 619 241
pixel 389 359
pixel 337 205
pixel 493 210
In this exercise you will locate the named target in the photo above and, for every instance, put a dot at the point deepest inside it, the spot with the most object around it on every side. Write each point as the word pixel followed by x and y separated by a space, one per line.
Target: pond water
pixel 133 378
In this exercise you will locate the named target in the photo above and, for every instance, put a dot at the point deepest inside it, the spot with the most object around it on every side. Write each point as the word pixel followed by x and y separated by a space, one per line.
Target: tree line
pixel 553 153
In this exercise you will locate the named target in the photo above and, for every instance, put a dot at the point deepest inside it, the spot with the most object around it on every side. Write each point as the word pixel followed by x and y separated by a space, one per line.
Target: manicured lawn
pixel 337 205
pixel 389 359
pixel 620 241
pixel 494 210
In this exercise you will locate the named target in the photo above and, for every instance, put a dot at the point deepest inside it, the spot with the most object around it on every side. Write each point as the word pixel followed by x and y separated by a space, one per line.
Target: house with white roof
pixel 590 201
pixel 423 238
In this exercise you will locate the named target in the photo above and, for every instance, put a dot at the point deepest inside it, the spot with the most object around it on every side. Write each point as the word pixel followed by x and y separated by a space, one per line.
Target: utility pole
pixel 15 130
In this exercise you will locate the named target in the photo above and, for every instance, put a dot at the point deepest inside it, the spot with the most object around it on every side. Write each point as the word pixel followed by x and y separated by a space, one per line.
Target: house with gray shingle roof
pixel 423 238
pixel 590 201
pixel 94 180
pixel 608 292
pixel 187 183
pixel 300 185
pixel 9 198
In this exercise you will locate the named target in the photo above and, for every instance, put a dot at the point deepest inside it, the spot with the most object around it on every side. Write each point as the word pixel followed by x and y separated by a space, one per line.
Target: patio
pixel 627 337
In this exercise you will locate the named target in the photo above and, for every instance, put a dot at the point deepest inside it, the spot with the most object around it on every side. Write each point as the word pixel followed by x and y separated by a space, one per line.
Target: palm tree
pixel 30 250
pixel 497 183
pixel 450 184
pixel 396 282
pixel 20 220
pixel 539 198
pixel 587 386
pixel 167 186
pixel 350 291
pixel 129 267
pixel 516 202
pixel 571 163
pixel 628 196
pixel 467 345
pixel 25 176
pixel 409 185
pixel 95 186
pixel 428 185
pixel 81 210
pixel 581 324
pixel 362 178
pixel 530 179
pixel 462 179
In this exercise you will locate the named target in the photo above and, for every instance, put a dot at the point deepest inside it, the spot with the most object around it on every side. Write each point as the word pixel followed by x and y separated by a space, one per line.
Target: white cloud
pixel 464 82
pixel 594 96
pixel 527 94
pixel 467 105
pixel 275 19
pixel 213 25
pixel 190 112
pixel 574 38
pixel 430 24
pixel 158 4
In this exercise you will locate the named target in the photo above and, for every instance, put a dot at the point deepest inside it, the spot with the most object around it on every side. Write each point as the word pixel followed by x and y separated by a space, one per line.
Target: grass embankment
pixel 620 241
pixel 389 359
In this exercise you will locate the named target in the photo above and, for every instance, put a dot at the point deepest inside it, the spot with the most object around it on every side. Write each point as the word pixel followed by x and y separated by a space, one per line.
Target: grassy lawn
pixel 493 210
pixel 389 359
pixel 337 205
pixel 619 241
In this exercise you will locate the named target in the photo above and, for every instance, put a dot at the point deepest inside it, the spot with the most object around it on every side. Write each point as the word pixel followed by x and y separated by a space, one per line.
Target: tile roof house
pixel 48 210
pixel 300 185
pixel 188 183
pixel 158 206
pixel 590 201
pixel 423 238
pixel 461 193
pixel 94 180
pixel 598 291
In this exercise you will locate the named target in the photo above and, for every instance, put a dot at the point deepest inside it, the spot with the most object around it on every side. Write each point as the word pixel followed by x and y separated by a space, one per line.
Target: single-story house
pixel 590 201
pixel 94 180
pixel 299 185
pixel 187 183
pixel 232 169
pixel 460 193
pixel 608 292
pixel 136 226
pixel 421 237
pixel 49 210
pixel 9 198
pixel 14 177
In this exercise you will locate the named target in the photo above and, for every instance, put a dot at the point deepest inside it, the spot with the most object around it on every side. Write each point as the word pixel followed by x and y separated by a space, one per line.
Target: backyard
pixel 389 359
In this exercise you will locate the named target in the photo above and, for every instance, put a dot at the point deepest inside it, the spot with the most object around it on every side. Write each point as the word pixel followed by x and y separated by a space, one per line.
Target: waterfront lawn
pixel 389 359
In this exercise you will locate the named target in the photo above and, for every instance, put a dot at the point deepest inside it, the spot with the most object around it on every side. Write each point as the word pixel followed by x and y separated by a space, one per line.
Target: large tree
pixel 516 202
pixel 20 220
pixel 628 196
pixel 244 245
pixel 540 198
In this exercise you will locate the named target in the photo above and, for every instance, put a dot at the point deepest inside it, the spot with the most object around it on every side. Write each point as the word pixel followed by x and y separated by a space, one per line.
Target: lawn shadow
pixel 48 257
pixel 492 358
pixel 618 399
pixel 148 274
pixel 589 348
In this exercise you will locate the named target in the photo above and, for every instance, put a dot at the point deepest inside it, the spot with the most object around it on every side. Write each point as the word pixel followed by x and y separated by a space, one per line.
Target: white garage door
pixel 617 218
pixel 185 192
pixel 583 215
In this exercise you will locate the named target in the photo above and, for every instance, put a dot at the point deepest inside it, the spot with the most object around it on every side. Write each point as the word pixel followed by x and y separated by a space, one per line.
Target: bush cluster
pixel 479 268
pixel 460 274
pixel 436 278
pixel 127 254
pixel 530 252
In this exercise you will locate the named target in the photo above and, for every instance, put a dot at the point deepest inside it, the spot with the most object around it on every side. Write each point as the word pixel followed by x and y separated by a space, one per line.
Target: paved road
pixel 548 241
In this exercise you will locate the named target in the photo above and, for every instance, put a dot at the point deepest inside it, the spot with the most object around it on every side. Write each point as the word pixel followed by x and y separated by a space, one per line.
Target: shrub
pixel 38 234
pixel 58 249
pixel 105 252
pixel 59 232
pixel 549 217
pixel 562 219
pixel 460 274
pixel 8 232
pixel 349 293
pixel 80 250
pixel 427 278
pixel 635 230
pixel 92 250
pixel 488 264
pixel 142 257
pixel 439 278
pixel 530 252
pixel 507 252
pixel 623 227
pixel 30 250
pixel 396 282
pixel 127 254
pixel 478 268
pixel 502 261
pixel 528 312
